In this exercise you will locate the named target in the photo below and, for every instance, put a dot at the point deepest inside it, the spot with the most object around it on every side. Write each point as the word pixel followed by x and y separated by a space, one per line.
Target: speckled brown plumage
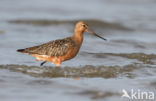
pixel 53 48
pixel 60 50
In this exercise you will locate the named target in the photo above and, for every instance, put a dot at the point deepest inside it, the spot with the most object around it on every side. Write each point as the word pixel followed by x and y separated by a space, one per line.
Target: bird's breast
pixel 72 52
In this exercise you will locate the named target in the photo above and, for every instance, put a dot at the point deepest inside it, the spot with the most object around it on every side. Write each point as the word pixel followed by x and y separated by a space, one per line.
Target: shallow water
pixel 127 60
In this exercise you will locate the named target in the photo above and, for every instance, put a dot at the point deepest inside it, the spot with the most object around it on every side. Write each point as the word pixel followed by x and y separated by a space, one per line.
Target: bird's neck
pixel 78 37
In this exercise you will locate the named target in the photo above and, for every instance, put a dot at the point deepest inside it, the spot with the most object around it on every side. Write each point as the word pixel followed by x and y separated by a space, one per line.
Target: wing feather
pixel 52 48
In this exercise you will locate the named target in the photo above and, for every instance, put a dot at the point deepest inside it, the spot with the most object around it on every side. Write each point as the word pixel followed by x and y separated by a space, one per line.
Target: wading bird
pixel 60 50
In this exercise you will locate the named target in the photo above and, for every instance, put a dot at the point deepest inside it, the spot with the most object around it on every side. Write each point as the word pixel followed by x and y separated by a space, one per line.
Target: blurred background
pixel 101 69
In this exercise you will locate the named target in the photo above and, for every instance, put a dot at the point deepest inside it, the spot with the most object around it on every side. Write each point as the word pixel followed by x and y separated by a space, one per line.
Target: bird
pixel 60 50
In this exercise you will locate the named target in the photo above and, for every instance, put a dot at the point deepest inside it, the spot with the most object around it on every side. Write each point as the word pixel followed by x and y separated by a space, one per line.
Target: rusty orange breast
pixel 70 54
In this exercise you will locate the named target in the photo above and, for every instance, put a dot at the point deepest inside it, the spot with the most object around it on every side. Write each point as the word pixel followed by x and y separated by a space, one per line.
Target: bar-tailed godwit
pixel 60 50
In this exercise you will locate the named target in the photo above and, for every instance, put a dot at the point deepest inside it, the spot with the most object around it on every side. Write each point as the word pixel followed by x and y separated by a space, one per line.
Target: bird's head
pixel 83 27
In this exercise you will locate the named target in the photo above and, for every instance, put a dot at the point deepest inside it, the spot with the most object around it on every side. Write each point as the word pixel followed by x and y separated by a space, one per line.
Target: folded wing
pixel 53 48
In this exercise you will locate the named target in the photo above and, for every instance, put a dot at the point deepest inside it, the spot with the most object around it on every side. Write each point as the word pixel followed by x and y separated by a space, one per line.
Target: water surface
pixel 101 69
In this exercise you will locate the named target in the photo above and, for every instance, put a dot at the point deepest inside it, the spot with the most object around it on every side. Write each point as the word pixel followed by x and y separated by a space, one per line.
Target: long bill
pixel 93 33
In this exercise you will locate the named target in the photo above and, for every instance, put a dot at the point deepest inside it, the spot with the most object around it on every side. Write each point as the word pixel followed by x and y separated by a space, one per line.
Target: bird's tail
pixel 21 50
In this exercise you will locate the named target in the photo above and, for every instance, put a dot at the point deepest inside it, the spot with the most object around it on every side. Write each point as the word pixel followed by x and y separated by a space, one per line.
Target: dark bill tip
pixel 93 33
pixel 99 36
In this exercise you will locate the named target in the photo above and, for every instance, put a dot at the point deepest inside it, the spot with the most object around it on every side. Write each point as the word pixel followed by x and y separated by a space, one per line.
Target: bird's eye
pixel 84 25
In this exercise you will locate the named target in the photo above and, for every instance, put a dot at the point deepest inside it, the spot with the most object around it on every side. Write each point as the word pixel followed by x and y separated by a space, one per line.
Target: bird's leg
pixel 43 63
